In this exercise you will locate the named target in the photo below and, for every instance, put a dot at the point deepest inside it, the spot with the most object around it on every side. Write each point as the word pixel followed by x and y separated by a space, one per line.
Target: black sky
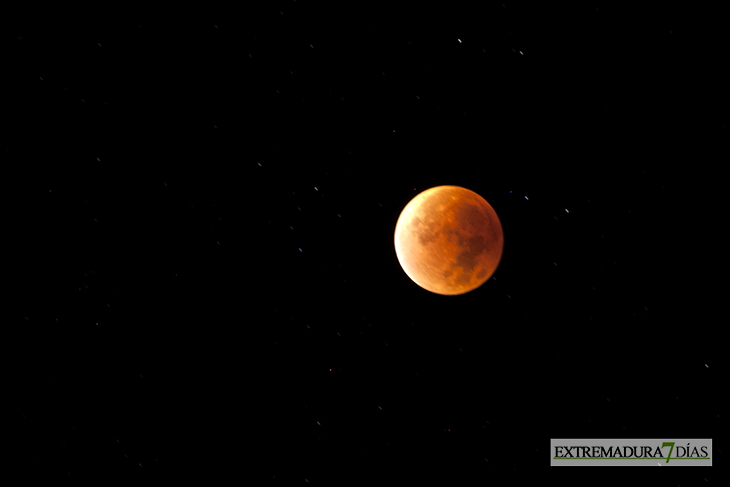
pixel 204 219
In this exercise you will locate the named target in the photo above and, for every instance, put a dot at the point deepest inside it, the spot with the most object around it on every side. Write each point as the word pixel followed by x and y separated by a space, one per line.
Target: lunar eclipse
pixel 449 240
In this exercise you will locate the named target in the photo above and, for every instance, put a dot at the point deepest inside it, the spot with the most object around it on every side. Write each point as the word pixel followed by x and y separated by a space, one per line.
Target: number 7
pixel 670 444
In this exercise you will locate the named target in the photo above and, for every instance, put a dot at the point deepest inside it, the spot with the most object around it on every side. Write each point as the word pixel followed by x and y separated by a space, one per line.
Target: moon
pixel 449 240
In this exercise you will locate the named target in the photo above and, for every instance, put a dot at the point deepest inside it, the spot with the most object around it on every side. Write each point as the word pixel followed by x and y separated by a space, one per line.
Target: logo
pixel 617 452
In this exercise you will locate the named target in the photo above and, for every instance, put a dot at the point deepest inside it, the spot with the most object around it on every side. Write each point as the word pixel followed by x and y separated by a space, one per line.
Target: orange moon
pixel 449 240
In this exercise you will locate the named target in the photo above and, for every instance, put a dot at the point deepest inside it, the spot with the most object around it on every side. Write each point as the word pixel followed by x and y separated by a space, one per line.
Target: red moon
pixel 449 240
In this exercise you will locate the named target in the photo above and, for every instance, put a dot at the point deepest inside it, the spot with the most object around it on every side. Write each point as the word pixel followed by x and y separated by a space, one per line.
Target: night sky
pixel 202 208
